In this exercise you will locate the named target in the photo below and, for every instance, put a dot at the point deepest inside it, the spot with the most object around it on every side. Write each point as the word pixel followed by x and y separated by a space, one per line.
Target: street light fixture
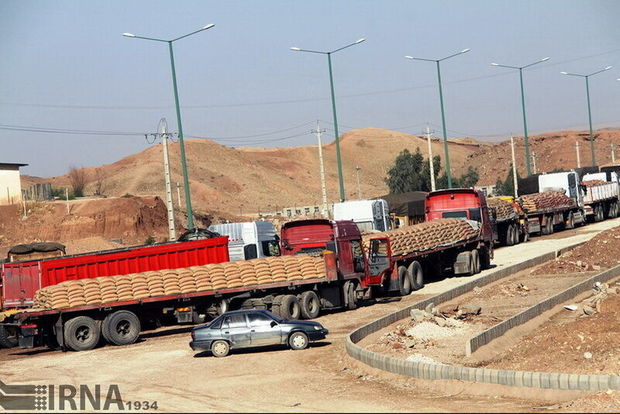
pixel 188 199
pixel 589 111
pixel 331 83
pixel 527 142
pixel 443 116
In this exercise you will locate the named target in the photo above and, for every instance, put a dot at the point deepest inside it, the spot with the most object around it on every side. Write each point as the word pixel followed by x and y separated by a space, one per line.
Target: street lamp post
pixel 331 84
pixel 526 138
pixel 589 110
pixel 188 198
pixel 443 116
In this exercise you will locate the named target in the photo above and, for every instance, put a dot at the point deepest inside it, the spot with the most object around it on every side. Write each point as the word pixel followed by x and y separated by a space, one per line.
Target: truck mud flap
pixel 26 337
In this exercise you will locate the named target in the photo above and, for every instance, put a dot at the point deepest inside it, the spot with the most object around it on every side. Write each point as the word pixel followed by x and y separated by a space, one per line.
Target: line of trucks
pixel 77 302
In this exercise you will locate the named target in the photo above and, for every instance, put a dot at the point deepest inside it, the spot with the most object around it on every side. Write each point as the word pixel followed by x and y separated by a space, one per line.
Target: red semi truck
pixel 350 274
pixel 468 204
pixel 20 280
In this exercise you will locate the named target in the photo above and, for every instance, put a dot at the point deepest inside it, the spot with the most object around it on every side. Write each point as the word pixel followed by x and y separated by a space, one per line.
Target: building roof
pixel 14 164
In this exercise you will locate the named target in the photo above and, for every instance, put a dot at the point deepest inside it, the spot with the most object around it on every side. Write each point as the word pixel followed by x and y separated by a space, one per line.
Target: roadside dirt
pixel 599 253
pixel 85 225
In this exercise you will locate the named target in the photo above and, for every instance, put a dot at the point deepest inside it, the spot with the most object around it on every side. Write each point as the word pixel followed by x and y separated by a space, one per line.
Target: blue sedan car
pixel 254 328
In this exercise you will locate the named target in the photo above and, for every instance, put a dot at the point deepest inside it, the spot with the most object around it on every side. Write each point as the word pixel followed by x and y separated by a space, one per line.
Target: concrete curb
pixel 501 328
pixel 439 371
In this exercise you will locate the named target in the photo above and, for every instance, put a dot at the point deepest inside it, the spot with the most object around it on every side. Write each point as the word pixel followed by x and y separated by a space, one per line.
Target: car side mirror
pixel 273 323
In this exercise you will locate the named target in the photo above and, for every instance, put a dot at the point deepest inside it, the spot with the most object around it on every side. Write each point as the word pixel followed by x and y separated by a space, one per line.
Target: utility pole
pixel 514 167
pixel 318 132
pixel 430 157
pixel 534 162
pixel 179 195
pixel 357 172
pixel 577 145
pixel 163 134
pixel 613 154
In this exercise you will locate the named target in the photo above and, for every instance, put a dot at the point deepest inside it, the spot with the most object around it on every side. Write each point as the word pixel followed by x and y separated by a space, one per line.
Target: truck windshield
pixel 365 226
pixel 454 214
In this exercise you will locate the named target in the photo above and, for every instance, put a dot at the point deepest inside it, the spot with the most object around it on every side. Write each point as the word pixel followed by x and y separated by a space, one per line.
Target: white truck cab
pixel 369 215
pixel 566 182
pixel 249 240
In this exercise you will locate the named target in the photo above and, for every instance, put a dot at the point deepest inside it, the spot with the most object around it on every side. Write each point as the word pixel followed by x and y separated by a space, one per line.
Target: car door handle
pixel 226 332
pixel 252 330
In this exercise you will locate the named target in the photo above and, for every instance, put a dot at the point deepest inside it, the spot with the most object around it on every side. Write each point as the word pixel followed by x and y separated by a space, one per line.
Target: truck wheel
pixel 298 340
pixel 222 307
pixel 475 258
pixel 415 275
pixel 121 328
pixel 509 239
pixel 220 348
pixel 352 296
pixel 81 333
pixel 8 337
pixel 289 307
pixel 570 221
pixel 404 282
pixel 485 259
pixel 310 305
pixel 471 268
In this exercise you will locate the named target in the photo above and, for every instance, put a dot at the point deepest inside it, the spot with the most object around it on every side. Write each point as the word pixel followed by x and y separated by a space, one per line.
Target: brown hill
pixel 229 181
pixel 553 150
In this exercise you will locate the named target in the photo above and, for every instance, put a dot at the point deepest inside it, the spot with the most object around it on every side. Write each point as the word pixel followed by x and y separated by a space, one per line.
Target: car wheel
pixel 298 340
pixel 220 348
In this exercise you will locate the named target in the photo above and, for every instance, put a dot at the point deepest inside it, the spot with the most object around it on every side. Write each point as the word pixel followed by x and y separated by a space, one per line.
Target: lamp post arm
pixel 150 38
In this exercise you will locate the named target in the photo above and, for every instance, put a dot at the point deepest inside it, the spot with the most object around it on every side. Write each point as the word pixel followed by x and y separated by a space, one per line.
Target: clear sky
pixel 66 67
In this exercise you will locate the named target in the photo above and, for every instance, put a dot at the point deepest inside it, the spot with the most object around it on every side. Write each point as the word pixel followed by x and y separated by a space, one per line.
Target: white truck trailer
pixel 369 215
pixel 249 240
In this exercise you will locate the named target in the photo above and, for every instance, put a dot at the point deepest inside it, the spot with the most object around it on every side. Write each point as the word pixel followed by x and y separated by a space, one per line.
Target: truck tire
pixel 404 282
pixel 509 238
pixel 298 340
pixel 121 328
pixel 220 348
pixel 475 257
pixel 82 333
pixel 8 337
pixel 472 270
pixel 570 221
pixel 351 296
pixel 289 307
pixel 222 307
pixel 485 259
pixel 310 305
pixel 416 275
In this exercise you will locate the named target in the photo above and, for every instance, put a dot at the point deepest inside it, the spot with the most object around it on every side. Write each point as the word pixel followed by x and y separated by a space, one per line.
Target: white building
pixel 10 185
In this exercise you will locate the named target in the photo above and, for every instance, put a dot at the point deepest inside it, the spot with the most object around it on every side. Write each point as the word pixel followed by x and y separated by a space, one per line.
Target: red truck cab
pixel 464 203
pixel 314 236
